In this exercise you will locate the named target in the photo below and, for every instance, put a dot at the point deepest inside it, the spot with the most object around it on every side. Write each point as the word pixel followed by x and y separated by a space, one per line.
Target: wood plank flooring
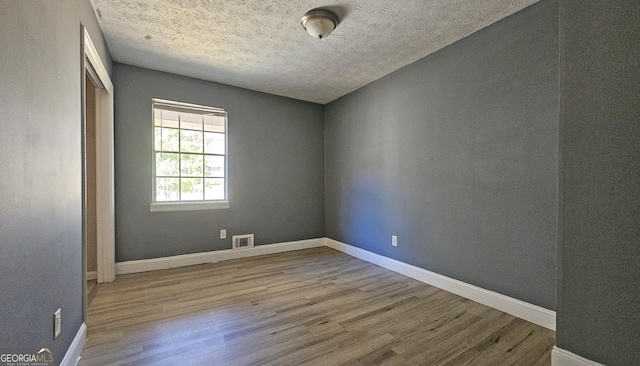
pixel 92 290
pixel 308 307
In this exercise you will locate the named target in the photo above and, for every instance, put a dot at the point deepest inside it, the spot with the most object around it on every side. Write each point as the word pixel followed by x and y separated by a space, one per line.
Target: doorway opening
pixel 91 164
pixel 98 217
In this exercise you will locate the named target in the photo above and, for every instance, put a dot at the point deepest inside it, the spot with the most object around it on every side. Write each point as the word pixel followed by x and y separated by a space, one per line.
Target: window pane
pixel 214 143
pixel 157 138
pixel 191 165
pixel 191 189
pixel 166 139
pixel 190 152
pixel 190 141
pixel 191 121
pixel 214 123
pixel 213 189
pixel 214 166
pixel 167 164
pixel 167 189
pixel 170 118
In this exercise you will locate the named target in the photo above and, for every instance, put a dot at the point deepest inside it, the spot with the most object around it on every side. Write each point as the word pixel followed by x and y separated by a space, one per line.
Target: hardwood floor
pixel 92 290
pixel 315 307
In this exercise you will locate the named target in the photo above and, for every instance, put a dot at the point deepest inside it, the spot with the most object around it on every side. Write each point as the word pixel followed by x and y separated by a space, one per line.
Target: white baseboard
pixel 92 275
pixel 529 312
pixel 72 356
pixel 562 357
pixel 212 257
pixel 535 314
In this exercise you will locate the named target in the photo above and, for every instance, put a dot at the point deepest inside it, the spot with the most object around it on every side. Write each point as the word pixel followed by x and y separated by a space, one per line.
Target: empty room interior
pixel 329 183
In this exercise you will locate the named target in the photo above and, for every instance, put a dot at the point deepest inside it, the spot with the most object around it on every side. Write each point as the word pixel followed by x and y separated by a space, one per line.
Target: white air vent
pixel 242 241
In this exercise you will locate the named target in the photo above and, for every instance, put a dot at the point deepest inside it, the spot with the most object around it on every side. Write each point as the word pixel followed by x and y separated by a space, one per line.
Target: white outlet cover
pixel 57 323
pixel 223 233
pixel 394 240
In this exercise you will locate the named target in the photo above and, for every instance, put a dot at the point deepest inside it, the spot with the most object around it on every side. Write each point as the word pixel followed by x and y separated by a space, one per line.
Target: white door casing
pixel 105 207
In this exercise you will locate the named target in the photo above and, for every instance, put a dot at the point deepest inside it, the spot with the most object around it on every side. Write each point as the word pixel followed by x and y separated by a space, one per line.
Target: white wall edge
pixel 562 357
pixel 214 256
pixel 529 312
pixel 92 275
pixel 72 356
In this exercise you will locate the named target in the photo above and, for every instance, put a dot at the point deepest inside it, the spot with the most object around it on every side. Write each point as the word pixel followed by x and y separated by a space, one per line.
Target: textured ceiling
pixel 260 45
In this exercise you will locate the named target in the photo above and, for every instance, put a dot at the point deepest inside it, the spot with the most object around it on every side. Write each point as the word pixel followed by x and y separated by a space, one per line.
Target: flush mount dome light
pixel 319 23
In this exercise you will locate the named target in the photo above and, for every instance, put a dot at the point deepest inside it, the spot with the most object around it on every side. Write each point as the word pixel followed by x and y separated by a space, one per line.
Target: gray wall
pixel 276 168
pixel 40 179
pixel 599 238
pixel 457 155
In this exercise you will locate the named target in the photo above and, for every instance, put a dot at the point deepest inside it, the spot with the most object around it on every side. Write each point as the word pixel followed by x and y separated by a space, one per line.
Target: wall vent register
pixel 242 241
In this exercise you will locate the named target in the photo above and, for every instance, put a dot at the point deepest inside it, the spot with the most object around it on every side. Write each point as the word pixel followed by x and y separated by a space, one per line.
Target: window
pixel 189 157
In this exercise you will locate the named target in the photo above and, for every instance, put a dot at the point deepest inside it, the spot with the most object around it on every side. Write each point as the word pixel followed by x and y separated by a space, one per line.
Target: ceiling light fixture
pixel 319 23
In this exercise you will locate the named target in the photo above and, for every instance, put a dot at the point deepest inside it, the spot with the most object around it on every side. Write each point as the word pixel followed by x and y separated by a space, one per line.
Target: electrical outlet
pixel 57 323
pixel 394 240
pixel 223 233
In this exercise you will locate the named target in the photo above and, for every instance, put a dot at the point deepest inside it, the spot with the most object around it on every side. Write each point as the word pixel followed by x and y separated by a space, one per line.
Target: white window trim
pixel 169 206
pixel 187 206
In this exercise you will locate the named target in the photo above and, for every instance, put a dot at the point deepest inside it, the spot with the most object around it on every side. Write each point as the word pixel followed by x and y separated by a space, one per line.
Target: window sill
pixel 187 206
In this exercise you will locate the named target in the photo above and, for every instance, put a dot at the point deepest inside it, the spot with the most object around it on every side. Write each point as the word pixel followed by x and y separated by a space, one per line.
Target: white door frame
pixel 105 207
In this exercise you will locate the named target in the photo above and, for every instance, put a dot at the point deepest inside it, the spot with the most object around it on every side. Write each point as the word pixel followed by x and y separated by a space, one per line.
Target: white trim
pixel 515 307
pixel 562 357
pixel 182 105
pixel 72 356
pixel 187 206
pixel 105 207
pixel 92 55
pixel 212 257
pixel 92 275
